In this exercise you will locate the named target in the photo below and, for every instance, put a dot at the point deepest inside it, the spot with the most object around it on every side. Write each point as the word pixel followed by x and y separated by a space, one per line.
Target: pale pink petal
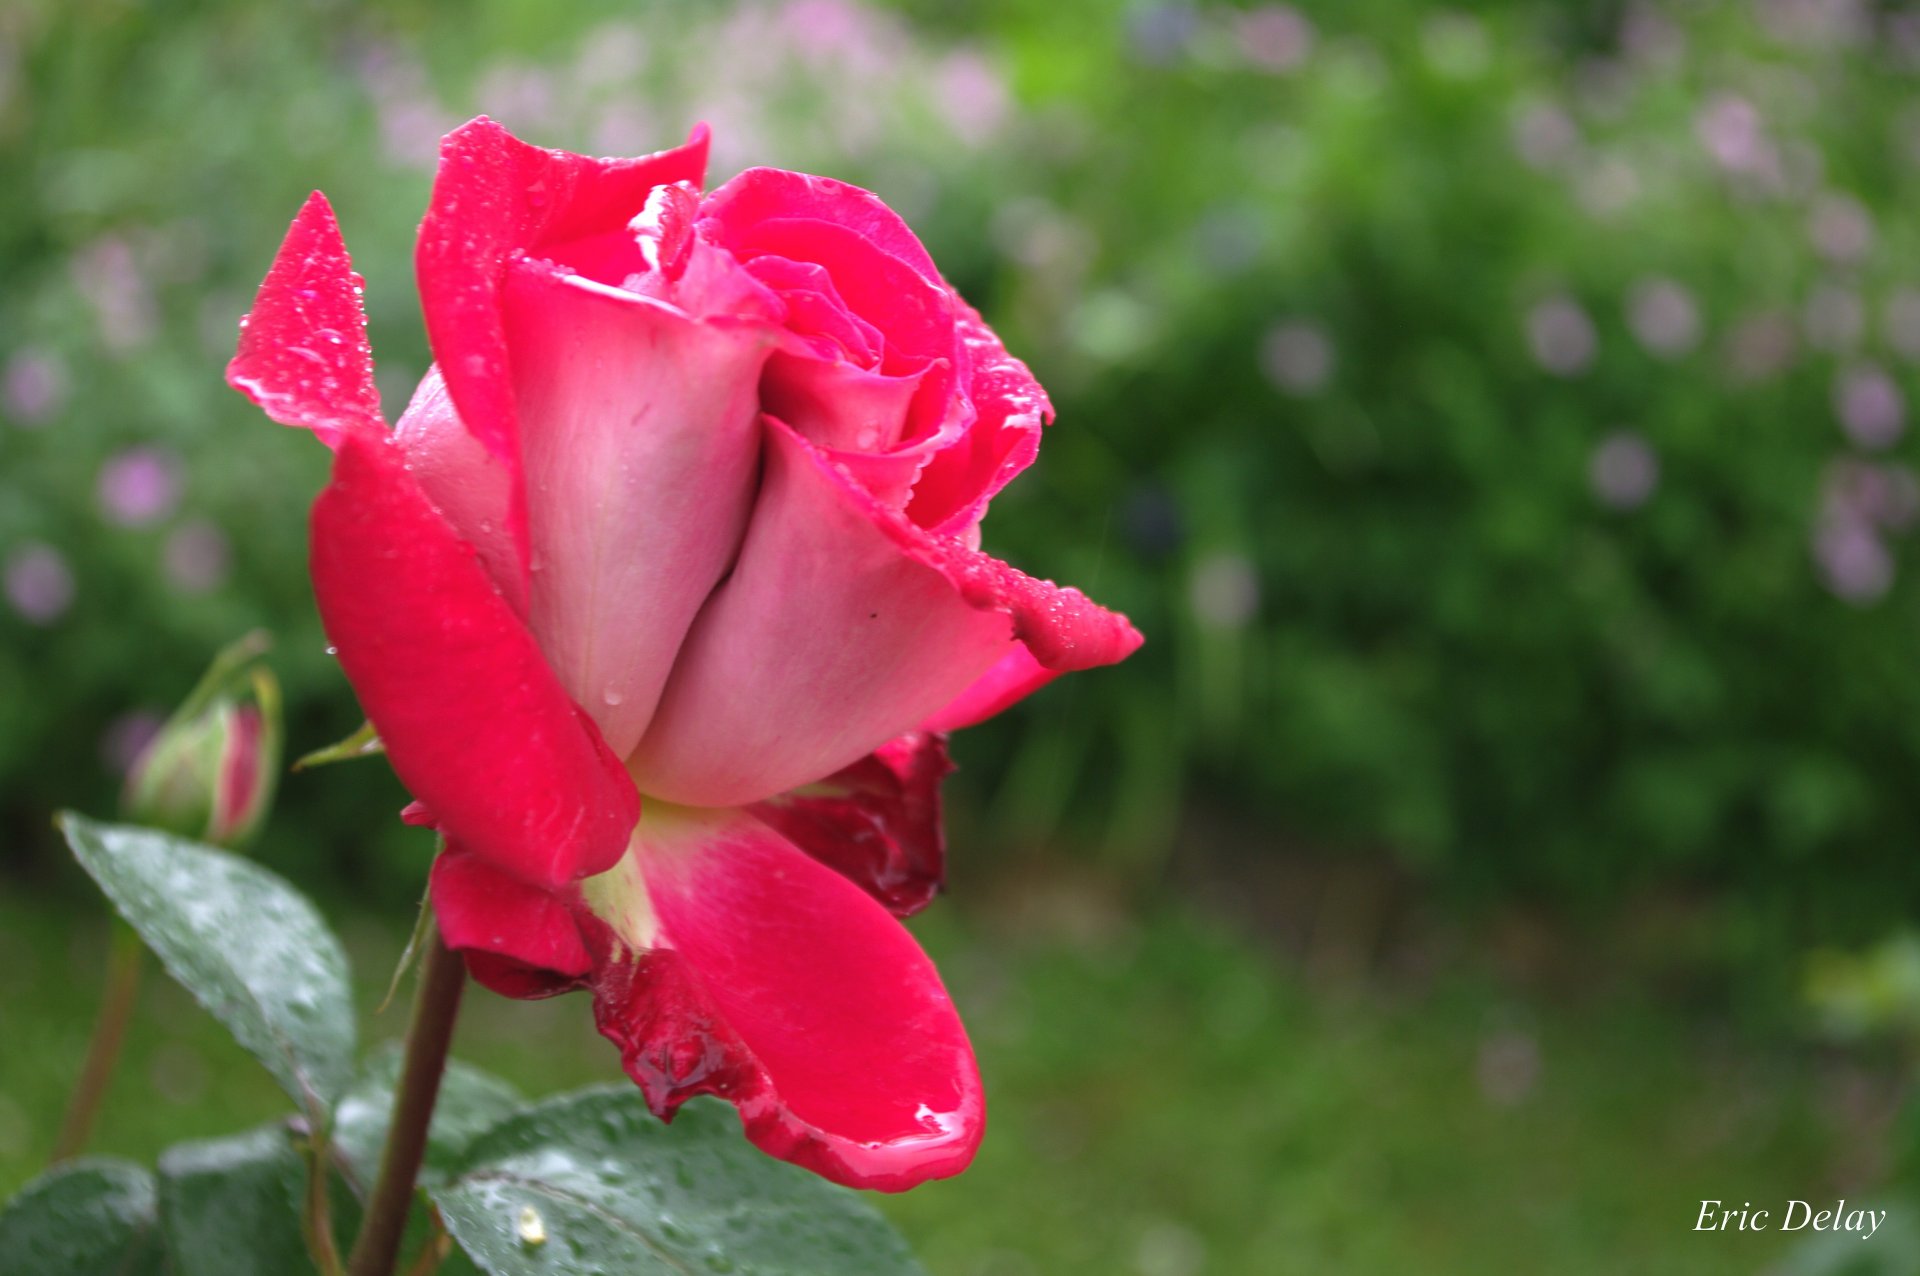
pixel 640 443
pixel 842 626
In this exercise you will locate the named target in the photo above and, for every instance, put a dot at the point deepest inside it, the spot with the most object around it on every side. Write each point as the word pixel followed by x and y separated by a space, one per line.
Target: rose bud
pixel 209 771
pixel 661 595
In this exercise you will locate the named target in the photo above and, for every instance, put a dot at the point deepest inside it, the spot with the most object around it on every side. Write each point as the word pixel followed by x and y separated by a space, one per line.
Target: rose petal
pixel 641 445
pixel 766 194
pixel 876 822
pixel 1010 408
pixel 1013 678
pixel 473 720
pixel 303 354
pixel 779 985
pixel 495 198
pixel 518 939
pixel 465 482
pixel 842 626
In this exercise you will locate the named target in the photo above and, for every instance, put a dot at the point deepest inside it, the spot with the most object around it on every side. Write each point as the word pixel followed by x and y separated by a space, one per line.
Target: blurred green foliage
pixel 1494 417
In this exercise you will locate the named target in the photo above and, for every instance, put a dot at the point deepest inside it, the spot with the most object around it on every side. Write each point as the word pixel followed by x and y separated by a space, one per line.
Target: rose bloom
pixel 662 594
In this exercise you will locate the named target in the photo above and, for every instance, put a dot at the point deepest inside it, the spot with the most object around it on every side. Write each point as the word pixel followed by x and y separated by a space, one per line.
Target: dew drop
pixel 613 695
pixel 530 1227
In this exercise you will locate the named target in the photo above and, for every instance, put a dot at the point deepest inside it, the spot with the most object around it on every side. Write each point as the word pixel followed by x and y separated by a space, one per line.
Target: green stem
pixel 103 1052
pixel 436 1005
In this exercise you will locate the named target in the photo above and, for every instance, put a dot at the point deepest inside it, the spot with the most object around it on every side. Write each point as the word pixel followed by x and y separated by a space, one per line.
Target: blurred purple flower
pixel 522 94
pixel 1561 336
pixel 1841 229
pixel 197 557
pixel 1815 22
pixel 1649 37
pixel 138 487
pixel 1835 318
pixel 1275 37
pixel 972 97
pixel 1663 317
pixel 1870 406
pixel 1297 356
pixel 1760 346
pixel 1160 33
pixel 1730 129
pixel 1623 471
pixel 34 385
pixel 1544 135
pixel 107 277
pixel 1854 562
pixel 1224 591
pixel 1870 493
pixel 125 737
pixel 39 583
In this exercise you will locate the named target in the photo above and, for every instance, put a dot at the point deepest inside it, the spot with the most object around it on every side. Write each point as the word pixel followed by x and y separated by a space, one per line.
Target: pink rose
pixel 688 508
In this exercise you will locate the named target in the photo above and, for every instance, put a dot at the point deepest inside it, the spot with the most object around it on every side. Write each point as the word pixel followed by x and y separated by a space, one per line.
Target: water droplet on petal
pixel 613 696
pixel 530 1227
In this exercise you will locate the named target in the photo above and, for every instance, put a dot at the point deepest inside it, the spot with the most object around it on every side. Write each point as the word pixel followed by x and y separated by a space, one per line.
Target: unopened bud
pixel 210 771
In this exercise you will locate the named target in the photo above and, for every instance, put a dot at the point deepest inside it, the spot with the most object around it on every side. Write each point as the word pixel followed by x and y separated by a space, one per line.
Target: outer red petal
pixel 519 940
pixel 877 822
pixel 1010 407
pixel 473 719
pixel 779 985
pixel 495 198
pixel 303 353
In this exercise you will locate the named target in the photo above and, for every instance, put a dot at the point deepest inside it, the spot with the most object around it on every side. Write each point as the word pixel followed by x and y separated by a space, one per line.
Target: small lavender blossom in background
pixel 1561 336
pixel 1648 37
pixel 1663 317
pixel 1274 37
pixel 1854 563
pixel 1730 129
pixel 33 388
pixel 39 583
pixel 1871 408
pixel 197 557
pixel 973 97
pixel 138 487
pixel 1761 346
pixel 1870 493
pixel 1544 135
pixel 1623 471
pixel 1841 229
pixel 1161 33
pixel 1224 591
pixel 1835 318
pixel 126 737
pixel 108 278
pixel 1297 356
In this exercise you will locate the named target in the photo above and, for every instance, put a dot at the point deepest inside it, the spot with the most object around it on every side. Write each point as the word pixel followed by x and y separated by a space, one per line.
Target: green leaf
pixel 94 1217
pixel 232 1206
pixel 249 947
pixel 471 1102
pixel 592 1182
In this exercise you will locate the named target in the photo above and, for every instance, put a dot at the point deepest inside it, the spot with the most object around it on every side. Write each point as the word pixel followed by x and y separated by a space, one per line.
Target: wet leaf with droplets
pixel 243 941
pixel 86 1218
pixel 612 1189
pixel 231 1206
pixel 470 1102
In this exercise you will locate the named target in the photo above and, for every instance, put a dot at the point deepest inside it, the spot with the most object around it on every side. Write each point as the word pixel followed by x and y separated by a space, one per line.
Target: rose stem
pixel 124 956
pixel 443 974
